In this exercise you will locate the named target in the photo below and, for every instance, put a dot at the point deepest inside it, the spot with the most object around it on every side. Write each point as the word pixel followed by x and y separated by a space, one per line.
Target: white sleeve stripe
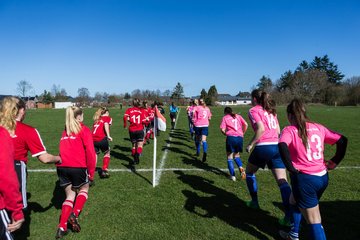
pixel 38 154
pixel 40 139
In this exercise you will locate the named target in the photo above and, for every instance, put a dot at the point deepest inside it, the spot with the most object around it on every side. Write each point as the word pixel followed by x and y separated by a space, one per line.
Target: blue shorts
pixel 266 155
pixel 199 131
pixel 307 189
pixel 234 144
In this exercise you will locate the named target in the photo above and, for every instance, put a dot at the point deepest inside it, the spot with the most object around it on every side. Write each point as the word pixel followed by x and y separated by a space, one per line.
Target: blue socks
pixel 285 191
pixel 252 186
pixel 238 161
pixel 197 145
pixel 317 231
pixel 205 146
pixel 231 167
pixel 296 220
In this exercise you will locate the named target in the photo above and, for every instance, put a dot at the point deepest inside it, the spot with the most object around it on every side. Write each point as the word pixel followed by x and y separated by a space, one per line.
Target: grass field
pixel 193 200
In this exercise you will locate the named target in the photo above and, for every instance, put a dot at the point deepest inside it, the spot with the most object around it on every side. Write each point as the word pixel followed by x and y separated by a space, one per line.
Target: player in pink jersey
pixel 302 147
pixel 233 126
pixel 135 115
pixel 101 137
pixel 190 112
pixel 264 121
pixel 201 118
pixel 76 170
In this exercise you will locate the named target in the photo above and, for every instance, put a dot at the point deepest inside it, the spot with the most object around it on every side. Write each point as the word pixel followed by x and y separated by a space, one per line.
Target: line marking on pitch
pixel 164 156
pixel 176 169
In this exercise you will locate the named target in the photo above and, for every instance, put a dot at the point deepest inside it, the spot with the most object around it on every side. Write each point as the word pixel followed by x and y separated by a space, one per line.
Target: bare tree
pixel 83 97
pixel 23 88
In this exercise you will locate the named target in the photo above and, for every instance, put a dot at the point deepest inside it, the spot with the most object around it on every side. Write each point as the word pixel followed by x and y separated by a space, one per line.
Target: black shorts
pixel 137 136
pixel 4 221
pixel 173 115
pixel 21 172
pixel 77 177
pixel 102 146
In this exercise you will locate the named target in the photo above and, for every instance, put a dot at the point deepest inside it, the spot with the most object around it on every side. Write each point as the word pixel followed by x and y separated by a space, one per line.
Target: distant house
pixel 30 102
pixel 227 99
pixel 4 96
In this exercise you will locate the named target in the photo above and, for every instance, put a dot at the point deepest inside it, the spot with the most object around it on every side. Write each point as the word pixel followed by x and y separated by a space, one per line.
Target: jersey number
pixel 204 114
pixel 235 122
pixel 96 127
pixel 136 119
pixel 316 155
pixel 271 121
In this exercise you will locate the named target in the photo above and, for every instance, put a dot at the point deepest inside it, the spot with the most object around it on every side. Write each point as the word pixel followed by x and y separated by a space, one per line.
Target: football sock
pixel 285 191
pixel 66 210
pixel 252 186
pixel 133 151
pixel 139 150
pixel 317 231
pixel 296 220
pixel 197 145
pixel 238 161
pixel 205 146
pixel 80 202
pixel 231 167
pixel 106 162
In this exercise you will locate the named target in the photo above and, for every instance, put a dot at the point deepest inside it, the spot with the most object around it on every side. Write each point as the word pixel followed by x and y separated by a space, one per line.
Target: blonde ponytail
pixel 9 109
pixel 72 125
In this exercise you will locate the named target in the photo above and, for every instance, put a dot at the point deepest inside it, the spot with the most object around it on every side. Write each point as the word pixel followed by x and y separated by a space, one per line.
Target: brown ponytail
pixel 297 115
pixel 228 110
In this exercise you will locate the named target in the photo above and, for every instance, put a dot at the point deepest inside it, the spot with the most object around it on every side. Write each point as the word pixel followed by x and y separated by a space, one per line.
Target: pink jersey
pixel 201 116
pixel 310 160
pixel 233 126
pixel 270 122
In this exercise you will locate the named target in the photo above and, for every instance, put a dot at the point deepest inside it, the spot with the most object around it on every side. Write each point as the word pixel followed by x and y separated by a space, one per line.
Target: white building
pixel 58 105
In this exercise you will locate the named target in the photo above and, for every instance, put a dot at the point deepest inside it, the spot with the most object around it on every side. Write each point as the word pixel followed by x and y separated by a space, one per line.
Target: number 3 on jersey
pixel 314 155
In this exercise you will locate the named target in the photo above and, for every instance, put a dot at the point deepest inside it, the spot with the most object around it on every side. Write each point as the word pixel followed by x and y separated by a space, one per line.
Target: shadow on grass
pixel 120 155
pixel 195 162
pixel 227 207
pixel 56 201
pixel 339 219
pixel 180 134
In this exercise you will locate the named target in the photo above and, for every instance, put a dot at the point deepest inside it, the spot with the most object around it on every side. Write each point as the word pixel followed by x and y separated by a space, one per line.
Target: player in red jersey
pixel 147 125
pixel 101 137
pixel 136 117
pixel 150 131
pixel 10 197
pixel 25 139
pixel 76 170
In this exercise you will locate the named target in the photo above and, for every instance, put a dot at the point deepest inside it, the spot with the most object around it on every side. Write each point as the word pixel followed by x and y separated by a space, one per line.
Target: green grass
pixel 188 204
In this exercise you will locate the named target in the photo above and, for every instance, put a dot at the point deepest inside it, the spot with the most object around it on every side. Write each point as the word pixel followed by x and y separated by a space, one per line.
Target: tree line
pixel 318 81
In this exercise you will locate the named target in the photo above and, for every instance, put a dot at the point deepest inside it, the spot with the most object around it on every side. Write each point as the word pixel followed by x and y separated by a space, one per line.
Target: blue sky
pixel 118 46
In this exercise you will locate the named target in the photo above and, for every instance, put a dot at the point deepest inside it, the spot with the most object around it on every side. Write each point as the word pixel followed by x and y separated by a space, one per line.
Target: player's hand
pixel 15 225
pixel 330 165
pixel 248 148
pixel 110 138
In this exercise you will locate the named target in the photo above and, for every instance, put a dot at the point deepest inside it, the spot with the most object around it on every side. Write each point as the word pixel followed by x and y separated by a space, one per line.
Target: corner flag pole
pixel 154 157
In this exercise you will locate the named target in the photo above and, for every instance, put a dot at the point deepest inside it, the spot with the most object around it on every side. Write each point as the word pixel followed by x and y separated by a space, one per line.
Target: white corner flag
pixel 159 125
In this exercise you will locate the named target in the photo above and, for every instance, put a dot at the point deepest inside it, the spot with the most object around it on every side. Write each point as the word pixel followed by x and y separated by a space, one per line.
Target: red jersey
pixel 151 114
pixel 26 139
pixel 98 131
pixel 77 150
pixel 136 117
pixel 146 114
pixel 10 197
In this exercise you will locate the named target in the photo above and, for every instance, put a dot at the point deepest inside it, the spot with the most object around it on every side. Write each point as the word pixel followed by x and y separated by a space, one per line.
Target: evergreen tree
pixel 178 92
pixel 211 96
pixel 265 84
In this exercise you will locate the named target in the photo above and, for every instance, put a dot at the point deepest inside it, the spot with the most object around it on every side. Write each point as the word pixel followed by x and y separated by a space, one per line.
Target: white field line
pixel 176 169
pixel 163 158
